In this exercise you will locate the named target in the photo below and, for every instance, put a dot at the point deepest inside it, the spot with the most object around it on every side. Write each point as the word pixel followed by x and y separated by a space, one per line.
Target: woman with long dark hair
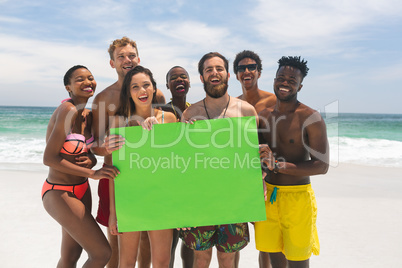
pixel 137 107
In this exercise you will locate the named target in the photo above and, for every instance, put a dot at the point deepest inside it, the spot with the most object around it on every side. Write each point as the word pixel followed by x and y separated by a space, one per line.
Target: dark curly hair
pixel 247 54
pixel 295 62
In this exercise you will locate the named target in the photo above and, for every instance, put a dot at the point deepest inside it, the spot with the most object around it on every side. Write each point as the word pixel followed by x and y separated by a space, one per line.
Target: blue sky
pixel 353 47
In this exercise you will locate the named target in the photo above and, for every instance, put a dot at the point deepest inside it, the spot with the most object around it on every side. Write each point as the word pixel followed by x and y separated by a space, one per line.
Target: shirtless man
pixel 123 57
pixel 213 69
pixel 247 67
pixel 294 146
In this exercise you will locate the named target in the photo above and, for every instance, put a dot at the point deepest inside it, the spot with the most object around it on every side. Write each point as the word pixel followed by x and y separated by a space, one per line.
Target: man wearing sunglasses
pixel 247 67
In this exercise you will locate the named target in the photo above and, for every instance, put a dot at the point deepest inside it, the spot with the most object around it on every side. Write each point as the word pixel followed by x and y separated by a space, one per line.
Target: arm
pixel 189 114
pixel 115 122
pixel 317 146
pixel 100 125
pixel 249 110
pixel 88 161
pixel 52 158
pixel 112 209
pixel 170 118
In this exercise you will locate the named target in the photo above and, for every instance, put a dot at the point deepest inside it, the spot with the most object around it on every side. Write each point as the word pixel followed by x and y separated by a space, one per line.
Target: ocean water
pixel 365 139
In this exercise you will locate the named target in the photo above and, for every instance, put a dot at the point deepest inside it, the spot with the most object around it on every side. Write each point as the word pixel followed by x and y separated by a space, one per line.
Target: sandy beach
pixel 359 219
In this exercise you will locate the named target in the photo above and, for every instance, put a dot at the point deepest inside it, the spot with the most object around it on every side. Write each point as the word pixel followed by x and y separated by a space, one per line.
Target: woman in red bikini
pixel 66 194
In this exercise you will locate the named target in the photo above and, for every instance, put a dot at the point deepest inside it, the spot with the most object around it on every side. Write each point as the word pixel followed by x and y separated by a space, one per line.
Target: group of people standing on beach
pixel 293 146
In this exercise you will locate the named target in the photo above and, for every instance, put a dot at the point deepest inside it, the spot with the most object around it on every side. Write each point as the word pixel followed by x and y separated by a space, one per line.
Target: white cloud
pixel 389 74
pixel 11 19
pixel 34 69
pixel 191 32
pixel 42 61
pixel 319 24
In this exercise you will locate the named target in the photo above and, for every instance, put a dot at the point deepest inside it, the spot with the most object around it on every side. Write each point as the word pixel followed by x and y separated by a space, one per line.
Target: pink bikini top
pixel 76 144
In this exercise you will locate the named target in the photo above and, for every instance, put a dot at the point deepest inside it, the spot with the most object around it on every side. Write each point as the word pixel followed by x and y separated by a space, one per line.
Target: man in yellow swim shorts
pixel 294 146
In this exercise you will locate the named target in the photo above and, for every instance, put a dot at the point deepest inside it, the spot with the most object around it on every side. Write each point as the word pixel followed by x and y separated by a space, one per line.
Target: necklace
pixel 227 105
pixel 174 110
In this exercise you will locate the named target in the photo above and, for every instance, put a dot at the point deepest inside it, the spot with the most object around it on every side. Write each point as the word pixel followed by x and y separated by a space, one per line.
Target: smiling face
pixel 82 83
pixel 178 82
pixel 141 89
pixel 288 83
pixel 124 59
pixel 248 78
pixel 215 77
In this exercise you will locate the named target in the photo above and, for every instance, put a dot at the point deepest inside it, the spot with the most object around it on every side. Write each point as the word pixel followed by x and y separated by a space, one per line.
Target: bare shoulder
pixel 267 98
pixel 64 115
pixel 266 112
pixel 170 117
pixel 66 108
pixel 266 94
pixel 194 111
pixel 308 114
pixel 108 93
pixel 246 108
pixel 109 99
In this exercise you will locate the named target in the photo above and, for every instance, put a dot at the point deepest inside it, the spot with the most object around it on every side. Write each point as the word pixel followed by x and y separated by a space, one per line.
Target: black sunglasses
pixel 250 67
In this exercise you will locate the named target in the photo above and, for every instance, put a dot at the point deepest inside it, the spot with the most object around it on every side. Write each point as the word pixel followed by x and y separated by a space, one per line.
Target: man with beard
pixel 123 57
pixel 213 69
pixel 294 146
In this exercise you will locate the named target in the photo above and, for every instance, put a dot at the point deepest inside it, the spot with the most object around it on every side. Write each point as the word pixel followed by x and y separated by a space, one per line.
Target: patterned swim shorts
pixel 227 238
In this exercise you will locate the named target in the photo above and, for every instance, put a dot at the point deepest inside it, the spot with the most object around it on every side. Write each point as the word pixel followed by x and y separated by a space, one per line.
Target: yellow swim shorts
pixel 290 227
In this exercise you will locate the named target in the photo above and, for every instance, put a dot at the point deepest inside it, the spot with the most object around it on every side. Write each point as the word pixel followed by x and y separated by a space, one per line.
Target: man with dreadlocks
pixel 294 146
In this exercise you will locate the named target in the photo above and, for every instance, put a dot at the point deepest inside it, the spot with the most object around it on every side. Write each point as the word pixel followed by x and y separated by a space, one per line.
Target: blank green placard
pixel 186 175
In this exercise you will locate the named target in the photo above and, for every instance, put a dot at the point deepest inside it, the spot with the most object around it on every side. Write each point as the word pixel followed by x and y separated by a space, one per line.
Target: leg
pixel 237 259
pixel 202 258
pixel 128 249
pixel 144 254
pixel 232 238
pixel 75 217
pixel 263 260
pixel 70 251
pixel 226 260
pixel 114 244
pixel 278 260
pixel 299 264
pixel 187 256
pixel 173 248
pixel 161 242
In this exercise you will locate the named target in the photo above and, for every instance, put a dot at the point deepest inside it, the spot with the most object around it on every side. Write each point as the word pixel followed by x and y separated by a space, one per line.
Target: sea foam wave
pixel 370 152
pixel 25 153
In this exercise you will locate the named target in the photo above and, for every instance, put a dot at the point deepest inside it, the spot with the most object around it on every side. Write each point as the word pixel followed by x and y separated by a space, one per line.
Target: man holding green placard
pixel 294 146
pixel 229 238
